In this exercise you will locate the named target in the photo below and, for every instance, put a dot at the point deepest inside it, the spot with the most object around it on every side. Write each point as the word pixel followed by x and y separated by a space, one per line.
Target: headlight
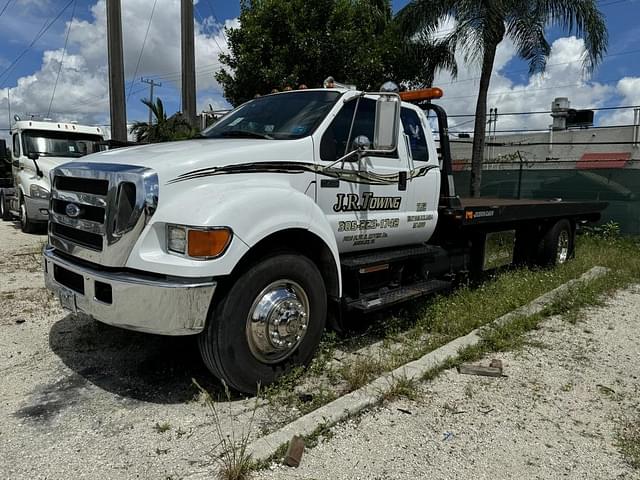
pixel 200 243
pixel 37 191
pixel 177 239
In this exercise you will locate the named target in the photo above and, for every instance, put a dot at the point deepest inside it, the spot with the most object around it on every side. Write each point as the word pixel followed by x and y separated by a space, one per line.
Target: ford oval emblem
pixel 72 210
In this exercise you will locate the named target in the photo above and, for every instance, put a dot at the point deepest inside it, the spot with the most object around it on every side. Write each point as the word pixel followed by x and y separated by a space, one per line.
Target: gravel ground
pixel 80 399
pixel 554 415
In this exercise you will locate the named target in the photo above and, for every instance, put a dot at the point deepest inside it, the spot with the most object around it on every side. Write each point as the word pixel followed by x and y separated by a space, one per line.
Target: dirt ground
pixel 80 399
pixel 556 413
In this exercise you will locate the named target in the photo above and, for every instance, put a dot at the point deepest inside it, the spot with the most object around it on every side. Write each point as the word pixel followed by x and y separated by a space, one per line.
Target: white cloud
pixel 82 90
pixel 628 88
pixel 564 77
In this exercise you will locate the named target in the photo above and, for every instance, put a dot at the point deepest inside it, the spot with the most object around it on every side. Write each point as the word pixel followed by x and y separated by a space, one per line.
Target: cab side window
pixel 334 141
pixel 417 139
pixel 16 145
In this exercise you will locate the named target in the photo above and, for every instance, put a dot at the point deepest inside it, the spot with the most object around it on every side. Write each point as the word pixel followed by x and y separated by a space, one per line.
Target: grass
pixel 402 387
pixel 234 460
pixel 424 326
pixel 162 427
pixel 361 371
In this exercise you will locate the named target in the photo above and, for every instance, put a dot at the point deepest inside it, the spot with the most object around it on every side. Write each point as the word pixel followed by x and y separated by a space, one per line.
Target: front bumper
pixel 175 306
pixel 37 209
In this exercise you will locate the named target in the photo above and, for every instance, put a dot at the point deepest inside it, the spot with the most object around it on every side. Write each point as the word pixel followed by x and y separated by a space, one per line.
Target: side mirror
pixel 34 157
pixel 385 136
pixel 361 143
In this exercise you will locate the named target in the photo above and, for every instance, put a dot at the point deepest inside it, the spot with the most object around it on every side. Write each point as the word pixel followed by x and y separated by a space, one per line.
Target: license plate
pixel 68 300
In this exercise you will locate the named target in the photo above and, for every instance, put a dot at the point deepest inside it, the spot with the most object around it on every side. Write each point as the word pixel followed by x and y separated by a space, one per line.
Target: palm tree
pixel 164 129
pixel 482 24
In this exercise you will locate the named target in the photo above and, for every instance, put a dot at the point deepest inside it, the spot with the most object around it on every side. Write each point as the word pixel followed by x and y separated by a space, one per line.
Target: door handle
pixel 402 180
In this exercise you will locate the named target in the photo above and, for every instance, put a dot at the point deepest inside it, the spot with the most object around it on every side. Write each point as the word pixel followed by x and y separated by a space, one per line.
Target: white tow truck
pixel 38 147
pixel 292 211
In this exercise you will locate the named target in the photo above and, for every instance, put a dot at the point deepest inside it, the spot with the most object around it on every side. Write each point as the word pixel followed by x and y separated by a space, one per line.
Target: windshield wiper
pixel 245 134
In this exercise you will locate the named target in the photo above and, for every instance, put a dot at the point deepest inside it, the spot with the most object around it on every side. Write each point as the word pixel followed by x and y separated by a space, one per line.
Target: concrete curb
pixel 369 395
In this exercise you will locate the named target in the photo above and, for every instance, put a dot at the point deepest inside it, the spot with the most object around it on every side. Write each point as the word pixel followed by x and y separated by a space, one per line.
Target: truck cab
pixel 290 212
pixel 36 148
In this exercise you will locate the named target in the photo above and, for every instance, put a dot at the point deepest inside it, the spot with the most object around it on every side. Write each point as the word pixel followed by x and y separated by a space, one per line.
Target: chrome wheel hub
pixel 277 321
pixel 563 247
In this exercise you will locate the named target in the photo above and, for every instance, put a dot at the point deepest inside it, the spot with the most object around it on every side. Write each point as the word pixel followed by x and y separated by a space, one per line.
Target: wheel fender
pixel 252 210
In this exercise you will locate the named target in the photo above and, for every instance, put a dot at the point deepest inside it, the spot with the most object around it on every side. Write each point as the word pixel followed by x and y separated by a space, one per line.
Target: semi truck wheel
pixel 267 322
pixel 557 245
pixel 4 208
pixel 26 225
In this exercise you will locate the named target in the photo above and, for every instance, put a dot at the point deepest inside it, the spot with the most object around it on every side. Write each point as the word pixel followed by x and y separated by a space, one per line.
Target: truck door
pixel 365 201
pixel 424 186
pixel 16 152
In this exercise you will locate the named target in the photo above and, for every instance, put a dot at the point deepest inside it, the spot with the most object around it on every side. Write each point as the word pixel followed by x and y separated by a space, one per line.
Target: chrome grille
pixel 97 210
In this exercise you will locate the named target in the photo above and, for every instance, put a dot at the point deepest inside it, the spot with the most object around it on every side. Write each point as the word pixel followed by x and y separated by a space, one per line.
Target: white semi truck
pixel 36 148
pixel 290 212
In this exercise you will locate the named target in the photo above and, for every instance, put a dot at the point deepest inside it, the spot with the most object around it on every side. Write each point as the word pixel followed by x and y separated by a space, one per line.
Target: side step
pixel 393 255
pixel 384 298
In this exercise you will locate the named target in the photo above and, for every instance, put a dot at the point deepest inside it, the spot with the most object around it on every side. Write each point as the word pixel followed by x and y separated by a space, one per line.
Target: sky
pixel 30 59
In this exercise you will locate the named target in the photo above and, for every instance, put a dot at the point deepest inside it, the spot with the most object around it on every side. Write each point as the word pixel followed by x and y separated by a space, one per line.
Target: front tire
pixel 26 225
pixel 269 321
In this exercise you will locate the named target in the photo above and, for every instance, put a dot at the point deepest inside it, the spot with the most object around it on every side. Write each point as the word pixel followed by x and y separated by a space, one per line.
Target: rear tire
pixel 268 321
pixel 4 208
pixel 556 247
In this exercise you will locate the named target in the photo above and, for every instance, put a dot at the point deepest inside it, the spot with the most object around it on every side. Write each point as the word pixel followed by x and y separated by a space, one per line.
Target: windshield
pixel 276 117
pixel 60 144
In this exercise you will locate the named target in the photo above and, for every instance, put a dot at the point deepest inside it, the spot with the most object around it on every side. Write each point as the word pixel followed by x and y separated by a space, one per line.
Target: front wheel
pixel 269 321
pixel 26 224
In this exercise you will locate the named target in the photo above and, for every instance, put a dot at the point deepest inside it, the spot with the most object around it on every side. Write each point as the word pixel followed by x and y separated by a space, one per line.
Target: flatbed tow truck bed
pixel 508 212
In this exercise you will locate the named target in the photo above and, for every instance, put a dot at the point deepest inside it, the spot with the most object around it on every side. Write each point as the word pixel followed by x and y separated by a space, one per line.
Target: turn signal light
pixel 208 243
pixel 422 94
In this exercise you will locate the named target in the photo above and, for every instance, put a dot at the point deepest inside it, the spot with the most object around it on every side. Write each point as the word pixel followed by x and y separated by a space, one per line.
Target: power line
pixel 135 73
pixel 6 5
pixel 537 144
pixel 45 27
pixel 538 130
pixel 597 109
pixel 66 40
pixel 519 70
pixel 202 20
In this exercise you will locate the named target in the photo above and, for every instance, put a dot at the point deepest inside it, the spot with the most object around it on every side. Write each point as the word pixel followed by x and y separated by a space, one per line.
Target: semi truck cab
pixel 292 211
pixel 36 148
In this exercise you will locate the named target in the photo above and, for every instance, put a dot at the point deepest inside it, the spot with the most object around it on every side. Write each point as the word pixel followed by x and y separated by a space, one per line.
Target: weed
pixel 567 387
pixel 469 392
pixel 420 327
pixel 402 387
pixel 162 427
pixel 361 371
pixel 234 460
pixel 628 442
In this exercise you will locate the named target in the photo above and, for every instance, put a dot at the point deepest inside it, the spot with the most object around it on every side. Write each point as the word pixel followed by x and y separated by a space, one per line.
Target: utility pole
pixel 117 101
pixel 151 85
pixel 188 62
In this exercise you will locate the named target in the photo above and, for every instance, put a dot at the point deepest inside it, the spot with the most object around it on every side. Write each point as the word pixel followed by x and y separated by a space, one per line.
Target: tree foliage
pixel 481 25
pixel 163 128
pixel 288 43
